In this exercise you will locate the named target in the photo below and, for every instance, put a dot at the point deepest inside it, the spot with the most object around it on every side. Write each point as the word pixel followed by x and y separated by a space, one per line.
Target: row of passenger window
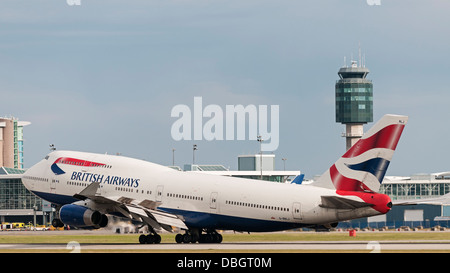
pixel 184 196
pixel 84 184
pixel 36 178
pixel 130 190
pixel 125 189
pixel 258 206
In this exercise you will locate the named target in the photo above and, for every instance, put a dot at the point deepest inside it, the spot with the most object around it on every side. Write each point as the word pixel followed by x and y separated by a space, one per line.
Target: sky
pixel 103 76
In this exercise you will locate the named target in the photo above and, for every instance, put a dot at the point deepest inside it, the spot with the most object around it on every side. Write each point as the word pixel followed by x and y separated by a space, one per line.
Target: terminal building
pixel 258 166
pixel 17 204
pixel 11 142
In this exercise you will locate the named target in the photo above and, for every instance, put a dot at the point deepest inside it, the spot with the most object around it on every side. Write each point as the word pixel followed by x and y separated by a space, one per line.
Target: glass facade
pixel 415 190
pixel 16 146
pixel 354 101
pixel 14 195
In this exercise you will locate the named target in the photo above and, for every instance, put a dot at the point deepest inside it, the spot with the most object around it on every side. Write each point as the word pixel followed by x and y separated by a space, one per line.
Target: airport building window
pixel 414 190
pixel 14 195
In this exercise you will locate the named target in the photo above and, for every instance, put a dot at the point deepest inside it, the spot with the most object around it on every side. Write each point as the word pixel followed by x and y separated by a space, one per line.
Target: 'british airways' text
pixel 109 179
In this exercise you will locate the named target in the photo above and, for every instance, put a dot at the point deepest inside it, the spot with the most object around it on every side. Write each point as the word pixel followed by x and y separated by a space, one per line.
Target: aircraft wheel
pixel 218 238
pixel 210 238
pixel 179 238
pixel 157 238
pixel 150 239
pixel 187 238
pixel 206 239
pixel 143 239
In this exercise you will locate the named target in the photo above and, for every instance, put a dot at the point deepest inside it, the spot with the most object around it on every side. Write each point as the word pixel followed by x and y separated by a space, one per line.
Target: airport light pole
pixel 194 148
pixel 173 156
pixel 260 140
pixel 284 163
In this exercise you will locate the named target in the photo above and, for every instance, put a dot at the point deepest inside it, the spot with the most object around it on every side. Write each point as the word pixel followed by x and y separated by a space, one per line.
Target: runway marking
pixel 284 246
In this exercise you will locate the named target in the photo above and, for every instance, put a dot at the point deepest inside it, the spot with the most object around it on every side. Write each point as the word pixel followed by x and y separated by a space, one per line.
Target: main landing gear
pixel 191 236
pixel 150 239
pixel 195 235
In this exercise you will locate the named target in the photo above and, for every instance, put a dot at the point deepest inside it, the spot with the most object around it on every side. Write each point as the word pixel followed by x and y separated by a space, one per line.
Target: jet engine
pixel 79 216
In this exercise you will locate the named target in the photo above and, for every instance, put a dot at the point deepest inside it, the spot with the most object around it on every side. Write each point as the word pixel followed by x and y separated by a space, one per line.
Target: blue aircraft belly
pixel 196 219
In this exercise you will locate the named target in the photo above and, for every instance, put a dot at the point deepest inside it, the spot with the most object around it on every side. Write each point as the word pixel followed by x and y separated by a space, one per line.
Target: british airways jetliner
pixel 86 187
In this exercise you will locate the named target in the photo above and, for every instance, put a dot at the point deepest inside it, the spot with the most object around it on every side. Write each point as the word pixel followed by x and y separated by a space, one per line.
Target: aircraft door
pixel 213 201
pixel 53 186
pixel 159 193
pixel 53 181
pixel 297 211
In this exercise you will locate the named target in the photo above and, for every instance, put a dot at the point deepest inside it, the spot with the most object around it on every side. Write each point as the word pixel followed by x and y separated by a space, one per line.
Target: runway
pixel 319 246
pixel 105 241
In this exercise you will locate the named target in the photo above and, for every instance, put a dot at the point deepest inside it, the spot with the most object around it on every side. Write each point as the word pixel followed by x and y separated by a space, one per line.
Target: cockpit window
pixel 46 158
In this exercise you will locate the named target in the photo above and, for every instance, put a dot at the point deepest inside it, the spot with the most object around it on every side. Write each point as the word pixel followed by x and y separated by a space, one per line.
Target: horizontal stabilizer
pixel 336 202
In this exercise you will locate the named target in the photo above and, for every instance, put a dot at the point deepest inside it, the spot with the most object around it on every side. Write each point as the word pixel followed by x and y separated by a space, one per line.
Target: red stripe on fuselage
pixel 77 162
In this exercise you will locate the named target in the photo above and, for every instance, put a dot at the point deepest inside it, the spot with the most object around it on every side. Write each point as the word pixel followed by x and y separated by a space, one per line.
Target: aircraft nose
pixel 26 177
pixel 33 175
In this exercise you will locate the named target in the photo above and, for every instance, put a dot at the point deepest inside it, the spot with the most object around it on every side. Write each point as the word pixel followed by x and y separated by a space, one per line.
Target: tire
pixel 142 239
pixel 179 238
pixel 157 239
pixel 150 239
pixel 187 238
pixel 218 238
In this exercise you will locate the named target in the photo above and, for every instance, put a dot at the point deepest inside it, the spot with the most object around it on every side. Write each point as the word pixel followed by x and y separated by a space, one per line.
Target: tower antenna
pixel 359 53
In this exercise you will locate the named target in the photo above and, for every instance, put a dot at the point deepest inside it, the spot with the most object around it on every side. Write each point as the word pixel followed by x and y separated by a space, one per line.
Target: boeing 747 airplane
pixel 86 187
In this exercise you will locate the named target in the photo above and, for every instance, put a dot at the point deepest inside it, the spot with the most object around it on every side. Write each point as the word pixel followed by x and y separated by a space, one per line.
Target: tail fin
pixel 363 166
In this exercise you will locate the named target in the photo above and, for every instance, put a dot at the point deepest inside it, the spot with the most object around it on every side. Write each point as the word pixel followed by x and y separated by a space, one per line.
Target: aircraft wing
pixel 336 202
pixel 141 210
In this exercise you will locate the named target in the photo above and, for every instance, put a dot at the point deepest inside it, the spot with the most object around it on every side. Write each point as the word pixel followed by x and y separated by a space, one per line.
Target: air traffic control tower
pixel 354 101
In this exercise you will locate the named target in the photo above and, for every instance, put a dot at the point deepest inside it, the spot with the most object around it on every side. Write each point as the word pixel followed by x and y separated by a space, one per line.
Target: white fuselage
pixel 200 200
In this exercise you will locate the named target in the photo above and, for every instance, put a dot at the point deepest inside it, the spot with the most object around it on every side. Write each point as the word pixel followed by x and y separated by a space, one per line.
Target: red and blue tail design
pixel 363 166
